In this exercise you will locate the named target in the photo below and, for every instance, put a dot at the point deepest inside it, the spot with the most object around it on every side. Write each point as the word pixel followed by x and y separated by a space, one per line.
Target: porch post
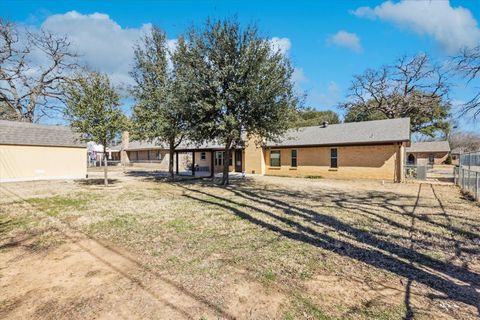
pixel 193 163
pixel 212 168
pixel 176 161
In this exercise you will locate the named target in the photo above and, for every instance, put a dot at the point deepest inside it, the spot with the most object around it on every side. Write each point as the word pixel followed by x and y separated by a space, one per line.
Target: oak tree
pixel 237 85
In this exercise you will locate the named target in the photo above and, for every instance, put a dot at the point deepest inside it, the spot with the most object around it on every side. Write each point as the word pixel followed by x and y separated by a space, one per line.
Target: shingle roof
pixel 23 133
pixel 378 131
pixel 186 145
pixel 431 146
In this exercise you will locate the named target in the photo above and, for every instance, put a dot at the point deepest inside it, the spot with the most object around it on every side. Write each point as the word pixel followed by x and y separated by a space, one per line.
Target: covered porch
pixel 206 162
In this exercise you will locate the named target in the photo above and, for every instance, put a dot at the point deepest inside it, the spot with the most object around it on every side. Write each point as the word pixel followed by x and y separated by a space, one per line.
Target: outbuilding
pixel 430 152
pixel 31 151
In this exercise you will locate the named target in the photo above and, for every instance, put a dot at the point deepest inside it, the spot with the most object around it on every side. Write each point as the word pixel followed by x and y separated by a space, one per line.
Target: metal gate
pixel 417 172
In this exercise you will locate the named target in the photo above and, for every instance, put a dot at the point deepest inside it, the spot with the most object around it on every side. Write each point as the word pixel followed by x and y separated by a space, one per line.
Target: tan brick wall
pixel 19 163
pixel 254 158
pixel 354 162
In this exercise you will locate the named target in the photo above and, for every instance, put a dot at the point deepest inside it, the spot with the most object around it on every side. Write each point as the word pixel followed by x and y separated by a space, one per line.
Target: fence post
pixel 476 185
pixel 463 178
pixel 469 181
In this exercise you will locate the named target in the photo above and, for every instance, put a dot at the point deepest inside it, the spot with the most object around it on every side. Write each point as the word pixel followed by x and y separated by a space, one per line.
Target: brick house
pixel 359 150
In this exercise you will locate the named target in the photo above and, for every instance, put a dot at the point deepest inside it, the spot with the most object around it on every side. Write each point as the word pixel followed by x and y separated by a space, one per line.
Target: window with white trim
pixel 275 158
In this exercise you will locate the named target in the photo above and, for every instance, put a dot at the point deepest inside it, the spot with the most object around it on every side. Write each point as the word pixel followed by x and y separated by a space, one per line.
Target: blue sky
pixel 327 41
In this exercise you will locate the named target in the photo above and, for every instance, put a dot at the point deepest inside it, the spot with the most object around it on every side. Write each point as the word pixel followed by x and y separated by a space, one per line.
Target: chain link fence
pixel 467 174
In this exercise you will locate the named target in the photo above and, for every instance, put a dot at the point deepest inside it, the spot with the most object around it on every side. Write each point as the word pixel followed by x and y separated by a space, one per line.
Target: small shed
pixel 31 151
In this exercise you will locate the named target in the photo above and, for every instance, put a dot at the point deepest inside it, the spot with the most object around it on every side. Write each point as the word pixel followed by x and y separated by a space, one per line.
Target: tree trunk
pixel 105 166
pixel 171 159
pixel 226 162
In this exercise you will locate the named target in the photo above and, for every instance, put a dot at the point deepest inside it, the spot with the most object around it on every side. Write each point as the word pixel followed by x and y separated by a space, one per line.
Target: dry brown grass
pixel 263 248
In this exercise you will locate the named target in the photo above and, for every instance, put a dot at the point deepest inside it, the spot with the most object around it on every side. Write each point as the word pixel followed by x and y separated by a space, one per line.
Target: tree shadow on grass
pixel 97 182
pixel 269 210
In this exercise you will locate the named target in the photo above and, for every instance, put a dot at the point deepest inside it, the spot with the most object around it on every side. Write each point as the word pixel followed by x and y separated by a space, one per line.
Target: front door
pixel 238 160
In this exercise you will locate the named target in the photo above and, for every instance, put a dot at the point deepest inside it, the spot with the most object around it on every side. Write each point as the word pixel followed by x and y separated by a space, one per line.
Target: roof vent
pixel 325 124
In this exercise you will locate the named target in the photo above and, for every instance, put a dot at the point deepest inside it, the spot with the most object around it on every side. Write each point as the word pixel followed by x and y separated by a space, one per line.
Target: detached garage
pixel 40 152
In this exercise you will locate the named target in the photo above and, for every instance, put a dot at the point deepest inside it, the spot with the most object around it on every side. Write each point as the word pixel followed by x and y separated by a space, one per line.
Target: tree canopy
pixel 236 84
pixel 160 113
pixel 93 108
pixel 412 87
pixel 311 117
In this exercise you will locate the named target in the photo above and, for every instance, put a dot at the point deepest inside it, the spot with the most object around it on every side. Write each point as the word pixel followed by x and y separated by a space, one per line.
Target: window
pixel 156 155
pixel 203 155
pixel 275 158
pixel 219 158
pixel 333 158
pixel 230 160
pixel 294 159
pixel 431 158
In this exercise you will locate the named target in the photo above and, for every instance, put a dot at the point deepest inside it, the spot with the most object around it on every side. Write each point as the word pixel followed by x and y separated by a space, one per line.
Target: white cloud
pixel 328 98
pixel 281 44
pixel 346 39
pixel 101 42
pixel 298 75
pixel 453 28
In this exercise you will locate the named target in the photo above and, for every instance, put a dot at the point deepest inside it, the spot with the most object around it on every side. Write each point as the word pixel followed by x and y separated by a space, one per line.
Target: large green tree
pixel 237 85
pixel 412 87
pixel 93 109
pixel 311 117
pixel 160 113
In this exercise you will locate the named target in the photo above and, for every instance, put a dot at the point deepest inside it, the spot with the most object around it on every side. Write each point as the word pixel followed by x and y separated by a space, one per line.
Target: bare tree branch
pixel 468 64
pixel 28 88
pixel 412 87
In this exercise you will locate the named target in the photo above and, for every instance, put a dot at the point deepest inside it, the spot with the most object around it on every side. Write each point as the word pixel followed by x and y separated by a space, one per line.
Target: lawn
pixel 263 248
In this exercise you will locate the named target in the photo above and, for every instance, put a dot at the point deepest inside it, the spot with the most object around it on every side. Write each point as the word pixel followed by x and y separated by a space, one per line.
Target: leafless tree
pixel 33 67
pixel 466 141
pixel 468 64
pixel 412 87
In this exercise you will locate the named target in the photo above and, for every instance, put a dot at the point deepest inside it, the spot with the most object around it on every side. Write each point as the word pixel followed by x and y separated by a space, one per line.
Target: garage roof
pixel 32 134
pixel 430 146
pixel 366 132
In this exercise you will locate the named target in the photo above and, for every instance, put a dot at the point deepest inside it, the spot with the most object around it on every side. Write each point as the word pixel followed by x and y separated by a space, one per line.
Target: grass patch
pixel 120 223
pixel 269 277
pixel 53 206
pixel 180 225
pixel 305 308
pixel 12 223
pixel 313 177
